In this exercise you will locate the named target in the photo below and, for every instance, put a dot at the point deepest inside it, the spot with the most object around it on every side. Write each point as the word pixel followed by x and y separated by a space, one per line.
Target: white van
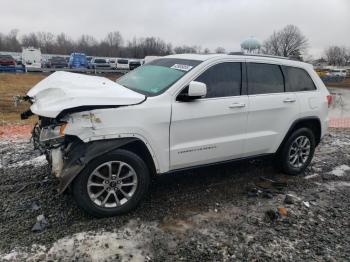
pixel 123 63
pixel 31 58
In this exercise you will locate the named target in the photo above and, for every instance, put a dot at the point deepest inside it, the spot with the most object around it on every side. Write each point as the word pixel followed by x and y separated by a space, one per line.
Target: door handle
pixel 289 100
pixel 237 105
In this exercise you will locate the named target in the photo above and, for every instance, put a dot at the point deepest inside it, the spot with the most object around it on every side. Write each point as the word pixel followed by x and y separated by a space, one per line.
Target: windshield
pixel 157 76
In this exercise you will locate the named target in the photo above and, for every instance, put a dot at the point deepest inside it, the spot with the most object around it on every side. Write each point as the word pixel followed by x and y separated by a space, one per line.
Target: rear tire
pixel 297 152
pixel 112 184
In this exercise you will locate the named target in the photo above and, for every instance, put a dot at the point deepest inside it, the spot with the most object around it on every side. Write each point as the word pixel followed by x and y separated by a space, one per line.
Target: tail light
pixel 329 100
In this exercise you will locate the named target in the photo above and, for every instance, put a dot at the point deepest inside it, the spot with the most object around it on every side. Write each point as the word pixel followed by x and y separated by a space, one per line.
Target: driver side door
pixel 210 129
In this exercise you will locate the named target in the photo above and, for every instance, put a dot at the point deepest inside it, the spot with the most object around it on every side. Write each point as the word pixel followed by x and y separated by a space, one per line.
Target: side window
pixel 264 79
pixel 297 79
pixel 222 80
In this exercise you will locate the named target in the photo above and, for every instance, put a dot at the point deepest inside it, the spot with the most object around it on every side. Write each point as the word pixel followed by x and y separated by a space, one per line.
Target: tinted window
pixel 122 61
pixel 222 80
pixel 264 79
pixel 297 79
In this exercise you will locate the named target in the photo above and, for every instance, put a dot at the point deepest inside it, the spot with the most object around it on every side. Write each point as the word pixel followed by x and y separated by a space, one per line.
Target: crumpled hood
pixel 63 90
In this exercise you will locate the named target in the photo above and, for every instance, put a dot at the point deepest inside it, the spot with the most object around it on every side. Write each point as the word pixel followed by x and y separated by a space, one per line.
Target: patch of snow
pixel 340 170
pixel 130 244
pixel 338 184
pixel 36 162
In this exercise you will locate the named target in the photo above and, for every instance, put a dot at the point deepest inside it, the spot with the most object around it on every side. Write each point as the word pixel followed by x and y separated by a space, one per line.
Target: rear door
pixel 299 82
pixel 210 129
pixel 271 109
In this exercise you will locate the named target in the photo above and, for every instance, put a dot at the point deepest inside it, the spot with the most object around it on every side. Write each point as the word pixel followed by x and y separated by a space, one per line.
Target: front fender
pixel 80 154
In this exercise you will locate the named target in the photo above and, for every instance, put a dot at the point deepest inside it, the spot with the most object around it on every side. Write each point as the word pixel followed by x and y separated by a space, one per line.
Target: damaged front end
pixel 63 102
pixel 48 137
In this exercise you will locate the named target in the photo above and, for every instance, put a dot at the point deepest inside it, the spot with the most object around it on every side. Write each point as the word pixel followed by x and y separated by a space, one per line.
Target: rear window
pixel 6 57
pixel 297 79
pixel 264 79
pixel 122 61
pixel 100 61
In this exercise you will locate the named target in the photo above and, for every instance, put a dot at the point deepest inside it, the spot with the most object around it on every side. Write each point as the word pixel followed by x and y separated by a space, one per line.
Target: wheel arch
pixel 312 122
pixel 84 153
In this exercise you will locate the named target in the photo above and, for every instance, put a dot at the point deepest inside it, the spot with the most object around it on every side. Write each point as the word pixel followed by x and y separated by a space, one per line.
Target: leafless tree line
pixel 113 45
pixel 337 55
pixel 290 42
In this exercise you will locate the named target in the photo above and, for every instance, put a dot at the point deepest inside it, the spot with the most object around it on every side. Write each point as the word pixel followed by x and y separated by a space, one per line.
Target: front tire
pixel 112 184
pixel 297 152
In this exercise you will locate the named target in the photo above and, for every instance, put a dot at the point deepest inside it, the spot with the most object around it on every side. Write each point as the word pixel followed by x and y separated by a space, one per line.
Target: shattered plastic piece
pixel 306 203
pixel 41 224
pixel 289 199
pixel 35 206
pixel 282 211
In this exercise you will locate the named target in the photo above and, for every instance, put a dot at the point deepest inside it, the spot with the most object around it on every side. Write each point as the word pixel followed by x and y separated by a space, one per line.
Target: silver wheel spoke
pixel 116 198
pixel 124 193
pixel 99 194
pixel 130 174
pixel 128 184
pixel 109 170
pixel 120 169
pixel 106 198
pixel 98 174
pixel 95 184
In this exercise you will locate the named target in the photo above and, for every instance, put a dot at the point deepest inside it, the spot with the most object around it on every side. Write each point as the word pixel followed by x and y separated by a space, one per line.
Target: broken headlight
pixel 53 134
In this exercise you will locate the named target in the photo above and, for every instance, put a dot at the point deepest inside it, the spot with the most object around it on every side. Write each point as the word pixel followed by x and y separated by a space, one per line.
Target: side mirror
pixel 194 90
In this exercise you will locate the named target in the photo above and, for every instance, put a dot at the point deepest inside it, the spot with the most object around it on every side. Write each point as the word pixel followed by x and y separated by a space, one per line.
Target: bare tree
pixel 336 55
pixel 114 40
pixel 220 50
pixel 287 42
pixel 187 49
pixel 30 40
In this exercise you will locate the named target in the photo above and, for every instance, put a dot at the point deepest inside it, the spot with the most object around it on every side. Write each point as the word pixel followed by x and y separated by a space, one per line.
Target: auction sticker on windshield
pixel 182 67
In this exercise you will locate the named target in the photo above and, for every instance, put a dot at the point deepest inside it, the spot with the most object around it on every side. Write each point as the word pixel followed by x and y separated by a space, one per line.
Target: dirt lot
pixel 224 213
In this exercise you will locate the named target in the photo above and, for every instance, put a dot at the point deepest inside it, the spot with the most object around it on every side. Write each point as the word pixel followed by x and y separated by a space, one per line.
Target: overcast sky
pixel 207 23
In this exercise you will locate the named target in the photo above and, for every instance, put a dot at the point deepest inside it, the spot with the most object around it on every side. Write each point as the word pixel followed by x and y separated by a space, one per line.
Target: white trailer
pixel 31 58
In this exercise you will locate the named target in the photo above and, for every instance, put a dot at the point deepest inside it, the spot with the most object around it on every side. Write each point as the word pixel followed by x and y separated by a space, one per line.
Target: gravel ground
pixel 227 213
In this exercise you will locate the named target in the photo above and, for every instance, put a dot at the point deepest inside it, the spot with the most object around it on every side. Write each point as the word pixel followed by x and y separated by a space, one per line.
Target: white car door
pixel 271 109
pixel 210 129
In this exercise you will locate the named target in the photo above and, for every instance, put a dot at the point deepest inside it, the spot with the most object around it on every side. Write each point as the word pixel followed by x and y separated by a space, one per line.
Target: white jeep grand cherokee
pixel 106 139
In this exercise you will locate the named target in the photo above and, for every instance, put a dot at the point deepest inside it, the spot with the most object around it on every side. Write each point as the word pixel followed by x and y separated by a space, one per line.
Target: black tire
pixel 80 191
pixel 283 158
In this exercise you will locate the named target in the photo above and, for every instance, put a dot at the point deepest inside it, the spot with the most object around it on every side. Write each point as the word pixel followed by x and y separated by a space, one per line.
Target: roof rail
pixel 259 55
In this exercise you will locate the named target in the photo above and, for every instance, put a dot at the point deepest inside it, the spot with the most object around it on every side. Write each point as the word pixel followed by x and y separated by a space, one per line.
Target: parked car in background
pixel 88 58
pixel 105 139
pixel 57 62
pixel 32 59
pixel 77 60
pixel 7 60
pixel 134 64
pixel 45 63
pixel 337 73
pixel 113 63
pixel 97 63
pixel 122 63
